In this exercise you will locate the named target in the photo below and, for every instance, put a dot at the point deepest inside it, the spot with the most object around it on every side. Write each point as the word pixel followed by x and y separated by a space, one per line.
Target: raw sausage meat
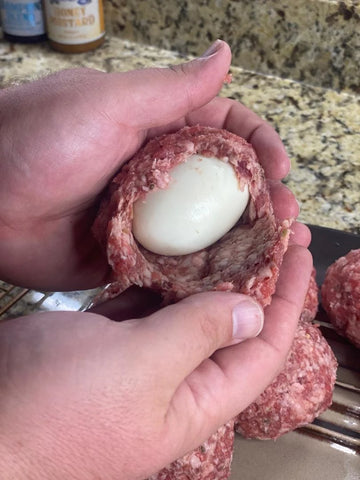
pixel 210 461
pixel 311 303
pixel 245 260
pixel 301 391
pixel 340 295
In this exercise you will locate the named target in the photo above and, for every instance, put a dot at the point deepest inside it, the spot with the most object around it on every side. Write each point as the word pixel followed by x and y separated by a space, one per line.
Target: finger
pixel 233 377
pixel 235 117
pixel 284 311
pixel 262 358
pixel 286 206
pixel 300 235
pixel 181 336
pixel 158 96
pixel 135 302
pixel 283 200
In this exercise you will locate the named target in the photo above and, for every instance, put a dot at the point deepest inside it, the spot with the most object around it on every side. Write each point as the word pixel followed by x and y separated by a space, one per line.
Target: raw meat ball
pixel 311 303
pixel 299 393
pixel 210 461
pixel 340 295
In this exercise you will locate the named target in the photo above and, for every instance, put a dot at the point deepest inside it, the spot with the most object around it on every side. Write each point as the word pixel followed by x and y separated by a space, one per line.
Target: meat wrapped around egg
pixel 241 242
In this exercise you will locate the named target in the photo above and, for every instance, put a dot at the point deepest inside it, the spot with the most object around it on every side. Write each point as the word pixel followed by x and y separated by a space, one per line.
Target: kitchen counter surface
pixel 319 127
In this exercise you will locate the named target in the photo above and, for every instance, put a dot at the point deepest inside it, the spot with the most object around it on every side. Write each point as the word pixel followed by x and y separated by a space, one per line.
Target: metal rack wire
pixel 9 296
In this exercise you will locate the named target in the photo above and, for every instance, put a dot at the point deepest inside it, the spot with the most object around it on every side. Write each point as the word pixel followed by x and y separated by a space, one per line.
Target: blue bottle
pixel 22 20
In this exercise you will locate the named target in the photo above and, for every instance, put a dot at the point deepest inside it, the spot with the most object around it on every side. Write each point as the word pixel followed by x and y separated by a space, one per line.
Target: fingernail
pixel 248 319
pixel 215 47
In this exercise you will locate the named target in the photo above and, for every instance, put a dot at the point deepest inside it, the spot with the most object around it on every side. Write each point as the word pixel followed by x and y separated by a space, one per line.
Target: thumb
pixel 193 329
pixel 157 96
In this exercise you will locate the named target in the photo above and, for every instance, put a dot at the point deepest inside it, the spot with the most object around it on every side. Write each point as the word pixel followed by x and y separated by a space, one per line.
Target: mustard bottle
pixel 74 26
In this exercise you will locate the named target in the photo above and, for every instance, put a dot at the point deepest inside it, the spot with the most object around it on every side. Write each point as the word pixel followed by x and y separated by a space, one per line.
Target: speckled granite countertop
pixel 319 127
pixel 316 41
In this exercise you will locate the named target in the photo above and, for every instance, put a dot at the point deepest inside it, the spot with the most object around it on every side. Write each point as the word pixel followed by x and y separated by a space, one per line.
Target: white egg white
pixel 202 202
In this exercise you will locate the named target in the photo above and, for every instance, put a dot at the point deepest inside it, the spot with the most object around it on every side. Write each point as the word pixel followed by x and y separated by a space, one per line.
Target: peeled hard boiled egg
pixel 202 202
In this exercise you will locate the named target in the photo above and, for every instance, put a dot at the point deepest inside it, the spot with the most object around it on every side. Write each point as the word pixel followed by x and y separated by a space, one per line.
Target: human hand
pixel 63 138
pixel 82 397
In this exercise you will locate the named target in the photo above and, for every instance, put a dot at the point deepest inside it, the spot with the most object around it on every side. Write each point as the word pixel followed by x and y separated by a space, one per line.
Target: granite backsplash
pixel 315 41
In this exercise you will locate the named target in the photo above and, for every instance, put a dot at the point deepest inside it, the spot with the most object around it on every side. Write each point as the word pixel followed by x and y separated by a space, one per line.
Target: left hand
pixel 62 138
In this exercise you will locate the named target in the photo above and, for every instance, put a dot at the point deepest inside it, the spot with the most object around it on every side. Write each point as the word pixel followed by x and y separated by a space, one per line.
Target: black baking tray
pixel 327 245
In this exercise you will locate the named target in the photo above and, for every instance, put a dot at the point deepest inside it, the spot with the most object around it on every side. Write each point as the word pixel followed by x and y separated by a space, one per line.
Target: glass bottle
pixel 22 20
pixel 74 26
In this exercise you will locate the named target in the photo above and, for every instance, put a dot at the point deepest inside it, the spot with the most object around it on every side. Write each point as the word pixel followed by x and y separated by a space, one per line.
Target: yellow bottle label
pixel 73 22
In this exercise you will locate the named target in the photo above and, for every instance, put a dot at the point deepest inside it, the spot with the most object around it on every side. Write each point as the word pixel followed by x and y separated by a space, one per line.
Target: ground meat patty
pixel 340 295
pixel 299 393
pixel 245 260
pixel 211 461
pixel 311 303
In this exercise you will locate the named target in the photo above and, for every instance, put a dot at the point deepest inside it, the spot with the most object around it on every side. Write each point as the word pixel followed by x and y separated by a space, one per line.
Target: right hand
pixel 82 397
